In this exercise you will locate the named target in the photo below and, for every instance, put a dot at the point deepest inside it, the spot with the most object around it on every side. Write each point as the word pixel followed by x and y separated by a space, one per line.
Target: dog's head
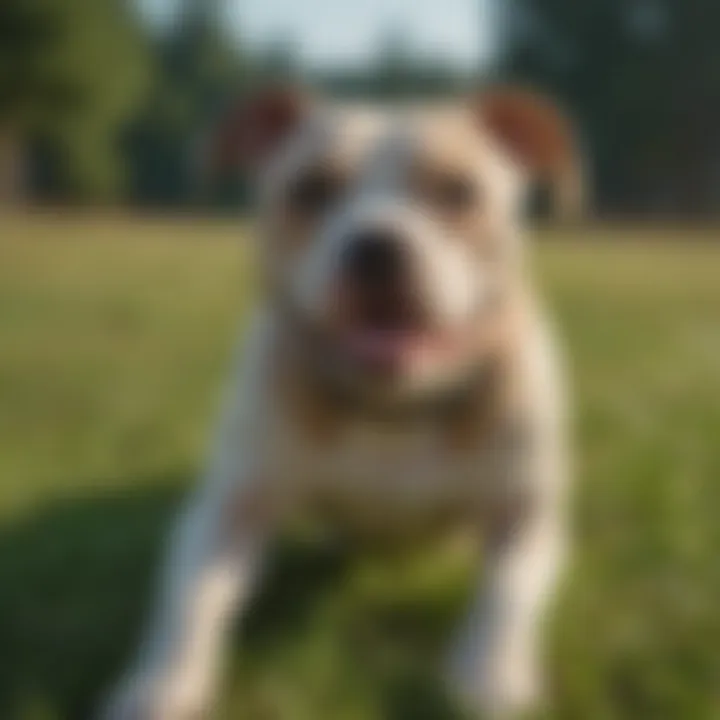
pixel 390 235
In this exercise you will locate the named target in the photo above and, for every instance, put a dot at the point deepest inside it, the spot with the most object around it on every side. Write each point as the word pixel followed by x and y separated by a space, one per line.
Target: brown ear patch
pixel 254 127
pixel 538 136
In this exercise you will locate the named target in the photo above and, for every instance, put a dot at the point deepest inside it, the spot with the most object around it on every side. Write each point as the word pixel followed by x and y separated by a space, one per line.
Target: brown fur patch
pixel 474 421
pixel 319 419
pixel 540 137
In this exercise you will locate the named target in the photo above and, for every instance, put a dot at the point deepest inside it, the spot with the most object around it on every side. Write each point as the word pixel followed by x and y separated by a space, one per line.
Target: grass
pixel 114 337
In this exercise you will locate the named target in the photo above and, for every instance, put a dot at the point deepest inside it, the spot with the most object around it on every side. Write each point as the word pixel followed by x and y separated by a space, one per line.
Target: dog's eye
pixel 314 192
pixel 453 193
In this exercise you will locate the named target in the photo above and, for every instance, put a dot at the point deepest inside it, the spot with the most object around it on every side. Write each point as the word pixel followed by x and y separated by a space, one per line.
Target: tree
pixel 199 68
pixel 641 78
pixel 71 73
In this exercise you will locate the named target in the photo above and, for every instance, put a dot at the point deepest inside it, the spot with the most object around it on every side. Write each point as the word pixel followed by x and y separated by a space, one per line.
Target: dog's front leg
pixel 495 665
pixel 214 556
pixel 212 567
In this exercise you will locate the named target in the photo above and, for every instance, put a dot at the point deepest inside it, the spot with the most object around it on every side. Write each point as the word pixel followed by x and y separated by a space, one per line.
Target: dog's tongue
pixel 385 347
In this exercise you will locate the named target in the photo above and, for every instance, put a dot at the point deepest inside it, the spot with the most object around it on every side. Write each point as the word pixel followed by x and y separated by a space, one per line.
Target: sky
pixel 345 32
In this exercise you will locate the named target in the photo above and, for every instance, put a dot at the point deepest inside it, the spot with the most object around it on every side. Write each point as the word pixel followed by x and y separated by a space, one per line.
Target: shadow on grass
pixel 74 579
pixel 77 576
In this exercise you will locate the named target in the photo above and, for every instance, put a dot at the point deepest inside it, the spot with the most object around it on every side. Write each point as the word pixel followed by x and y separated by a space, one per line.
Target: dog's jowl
pixel 399 377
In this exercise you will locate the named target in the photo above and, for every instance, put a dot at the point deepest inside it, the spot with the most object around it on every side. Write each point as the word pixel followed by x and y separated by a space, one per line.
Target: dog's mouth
pixel 394 352
pixel 393 333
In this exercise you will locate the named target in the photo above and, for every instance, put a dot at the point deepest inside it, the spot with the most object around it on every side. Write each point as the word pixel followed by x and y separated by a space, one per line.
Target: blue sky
pixel 346 31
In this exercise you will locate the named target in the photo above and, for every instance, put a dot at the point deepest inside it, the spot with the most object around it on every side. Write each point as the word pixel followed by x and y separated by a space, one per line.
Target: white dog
pixel 399 377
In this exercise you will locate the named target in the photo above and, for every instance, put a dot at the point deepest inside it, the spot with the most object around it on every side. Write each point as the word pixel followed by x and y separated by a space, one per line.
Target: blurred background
pixel 102 102
pixel 121 290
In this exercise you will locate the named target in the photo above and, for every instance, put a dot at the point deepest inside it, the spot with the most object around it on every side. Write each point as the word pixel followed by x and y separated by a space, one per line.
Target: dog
pixel 400 377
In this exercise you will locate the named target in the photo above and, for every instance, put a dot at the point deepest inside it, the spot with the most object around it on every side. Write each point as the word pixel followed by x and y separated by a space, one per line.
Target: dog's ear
pixel 254 128
pixel 540 138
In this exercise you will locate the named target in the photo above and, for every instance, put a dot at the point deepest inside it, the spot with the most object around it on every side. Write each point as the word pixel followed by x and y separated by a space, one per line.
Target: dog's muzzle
pixel 383 314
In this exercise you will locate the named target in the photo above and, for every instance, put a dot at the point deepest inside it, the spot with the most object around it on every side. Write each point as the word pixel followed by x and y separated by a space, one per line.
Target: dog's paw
pixel 152 698
pixel 502 691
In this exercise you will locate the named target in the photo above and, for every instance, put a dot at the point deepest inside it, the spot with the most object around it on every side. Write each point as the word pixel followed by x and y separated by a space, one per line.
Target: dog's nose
pixel 375 258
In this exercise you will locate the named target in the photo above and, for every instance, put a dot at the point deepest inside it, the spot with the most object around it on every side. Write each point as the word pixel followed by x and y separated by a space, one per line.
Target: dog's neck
pixel 462 410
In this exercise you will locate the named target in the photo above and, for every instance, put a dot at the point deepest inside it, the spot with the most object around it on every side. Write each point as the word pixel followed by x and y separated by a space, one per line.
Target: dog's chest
pixel 377 475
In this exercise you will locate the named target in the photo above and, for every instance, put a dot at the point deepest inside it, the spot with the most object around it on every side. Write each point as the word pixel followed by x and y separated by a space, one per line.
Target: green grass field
pixel 114 337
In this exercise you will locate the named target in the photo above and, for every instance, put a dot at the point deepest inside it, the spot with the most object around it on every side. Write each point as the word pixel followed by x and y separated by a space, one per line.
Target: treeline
pixel 643 79
pixel 97 107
